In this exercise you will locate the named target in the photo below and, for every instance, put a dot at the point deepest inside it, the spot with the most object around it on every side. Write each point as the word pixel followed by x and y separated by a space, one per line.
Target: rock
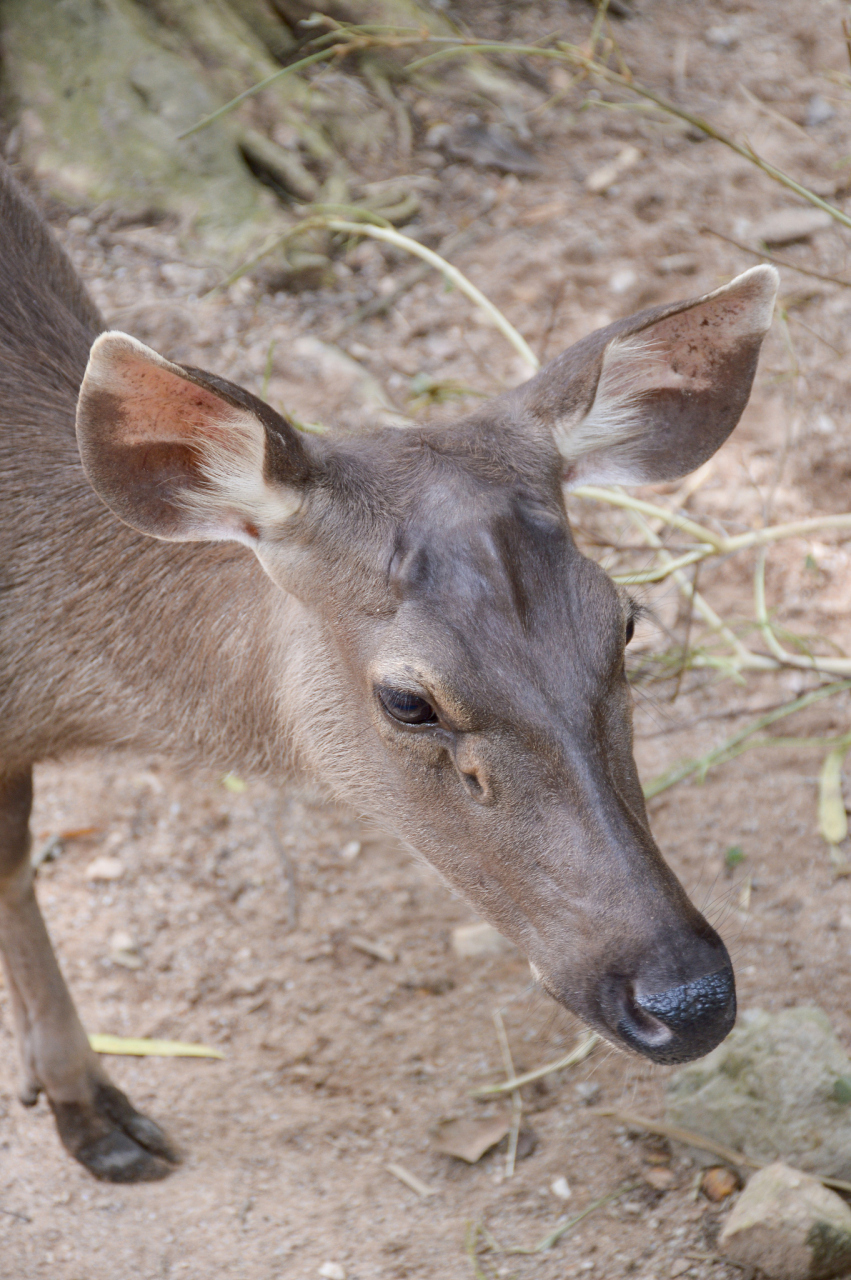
pixel 769 1091
pixel 489 147
pixel 350 851
pixel 718 1183
pixel 378 950
pixel 683 264
pixel 332 1271
pixel 785 226
pixel 105 868
pixel 469 1140
pixel 124 951
pixel 788 1225
pixel 561 1188
pixel 723 37
pixel 588 1091
pixel 600 180
pixel 660 1178
pixel 819 111
pixel 469 941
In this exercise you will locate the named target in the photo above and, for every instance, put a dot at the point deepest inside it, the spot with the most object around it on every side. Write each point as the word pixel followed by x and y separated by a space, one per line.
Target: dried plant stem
pixel 390 236
pixel 516 1100
pixel 578 1053
pixel 735 744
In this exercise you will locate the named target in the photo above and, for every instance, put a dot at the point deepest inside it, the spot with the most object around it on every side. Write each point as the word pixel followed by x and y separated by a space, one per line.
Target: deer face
pixel 467 685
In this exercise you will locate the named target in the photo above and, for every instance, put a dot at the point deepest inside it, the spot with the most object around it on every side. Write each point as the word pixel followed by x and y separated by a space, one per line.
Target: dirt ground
pixel 338 1063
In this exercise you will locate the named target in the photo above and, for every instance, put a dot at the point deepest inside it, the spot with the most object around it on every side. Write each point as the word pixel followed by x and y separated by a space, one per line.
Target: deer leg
pixel 96 1122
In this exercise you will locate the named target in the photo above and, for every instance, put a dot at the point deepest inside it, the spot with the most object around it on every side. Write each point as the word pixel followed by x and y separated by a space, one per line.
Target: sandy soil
pixel 338 1063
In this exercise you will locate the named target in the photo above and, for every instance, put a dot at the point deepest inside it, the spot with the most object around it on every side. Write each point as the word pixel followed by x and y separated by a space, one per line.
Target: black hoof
pixel 112 1139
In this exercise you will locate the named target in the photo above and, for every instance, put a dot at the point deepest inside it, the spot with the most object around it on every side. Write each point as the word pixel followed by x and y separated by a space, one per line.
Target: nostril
pixel 682 1022
pixel 472 784
pixel 693 1005
pixel 641 1027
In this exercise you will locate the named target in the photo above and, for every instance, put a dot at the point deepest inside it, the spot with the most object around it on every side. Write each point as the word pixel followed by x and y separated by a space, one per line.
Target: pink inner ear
pixel 160 406
pixel 692 344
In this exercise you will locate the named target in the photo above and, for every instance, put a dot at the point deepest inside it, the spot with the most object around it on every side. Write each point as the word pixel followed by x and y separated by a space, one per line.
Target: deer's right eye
pixel 406 707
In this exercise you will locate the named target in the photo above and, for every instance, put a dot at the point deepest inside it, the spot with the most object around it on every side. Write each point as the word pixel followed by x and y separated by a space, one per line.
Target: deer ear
pixel 652 397
pixel 181 454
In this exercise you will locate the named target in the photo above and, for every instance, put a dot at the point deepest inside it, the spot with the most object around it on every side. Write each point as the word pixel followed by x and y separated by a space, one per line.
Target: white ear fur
pixel 684 353
pixel 157 405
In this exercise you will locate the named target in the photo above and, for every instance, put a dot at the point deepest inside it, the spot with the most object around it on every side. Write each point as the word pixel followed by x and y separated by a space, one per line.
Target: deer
pixel 400 615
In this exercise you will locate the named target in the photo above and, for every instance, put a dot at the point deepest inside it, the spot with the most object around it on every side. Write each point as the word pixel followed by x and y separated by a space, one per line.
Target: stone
pixel 788 1225
pixel 683 264
pixel 105 868
pixel 660 1178
pixel 819 111
pixel 470 941
pixel 561 1188
pixel 332 1271
pixel 769 1091
pixel 723 37
pixel 124 951
pixel 786 226
pixel 599 181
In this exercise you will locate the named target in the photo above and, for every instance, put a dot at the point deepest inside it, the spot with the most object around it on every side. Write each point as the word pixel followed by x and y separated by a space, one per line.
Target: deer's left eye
pixel 630 628
pixel 406 707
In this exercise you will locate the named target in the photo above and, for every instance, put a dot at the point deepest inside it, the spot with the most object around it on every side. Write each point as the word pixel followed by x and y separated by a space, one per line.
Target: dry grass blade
pixel 832 818
pixel 516 1100
pixel 140 1048
pixel 765 256
pixel 577 1054
pixel 733 745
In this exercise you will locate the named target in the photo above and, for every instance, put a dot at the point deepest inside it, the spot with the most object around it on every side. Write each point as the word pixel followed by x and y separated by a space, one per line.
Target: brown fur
pixel 433 560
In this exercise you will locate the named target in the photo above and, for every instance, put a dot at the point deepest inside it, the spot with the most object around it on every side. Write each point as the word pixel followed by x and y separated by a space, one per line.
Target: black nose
pixel 680 1023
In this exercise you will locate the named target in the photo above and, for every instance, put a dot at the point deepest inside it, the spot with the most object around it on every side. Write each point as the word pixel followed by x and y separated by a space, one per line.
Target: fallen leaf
pixel 469 1139
pixel 152 1048
pixel 718 1183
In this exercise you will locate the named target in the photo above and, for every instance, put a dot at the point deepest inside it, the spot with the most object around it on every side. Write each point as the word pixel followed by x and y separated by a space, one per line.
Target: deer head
pixel 457 666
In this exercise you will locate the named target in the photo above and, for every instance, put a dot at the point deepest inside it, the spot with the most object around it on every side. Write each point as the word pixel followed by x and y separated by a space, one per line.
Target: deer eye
pixel 407 708
pixel 630 628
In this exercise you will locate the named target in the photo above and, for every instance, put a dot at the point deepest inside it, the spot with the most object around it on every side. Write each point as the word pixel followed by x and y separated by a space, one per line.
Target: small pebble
pixel 722 37
pixel 350 851
pixel 105 868
pixel 819 111
pixel 561 1188
pixel 683 264
pixel 472 940
pixel 660 1178
pixel 786 226
pixel 622 280
pixel 588 1091
pixel 332 1271
pixel 718 1183
pixel 124 951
